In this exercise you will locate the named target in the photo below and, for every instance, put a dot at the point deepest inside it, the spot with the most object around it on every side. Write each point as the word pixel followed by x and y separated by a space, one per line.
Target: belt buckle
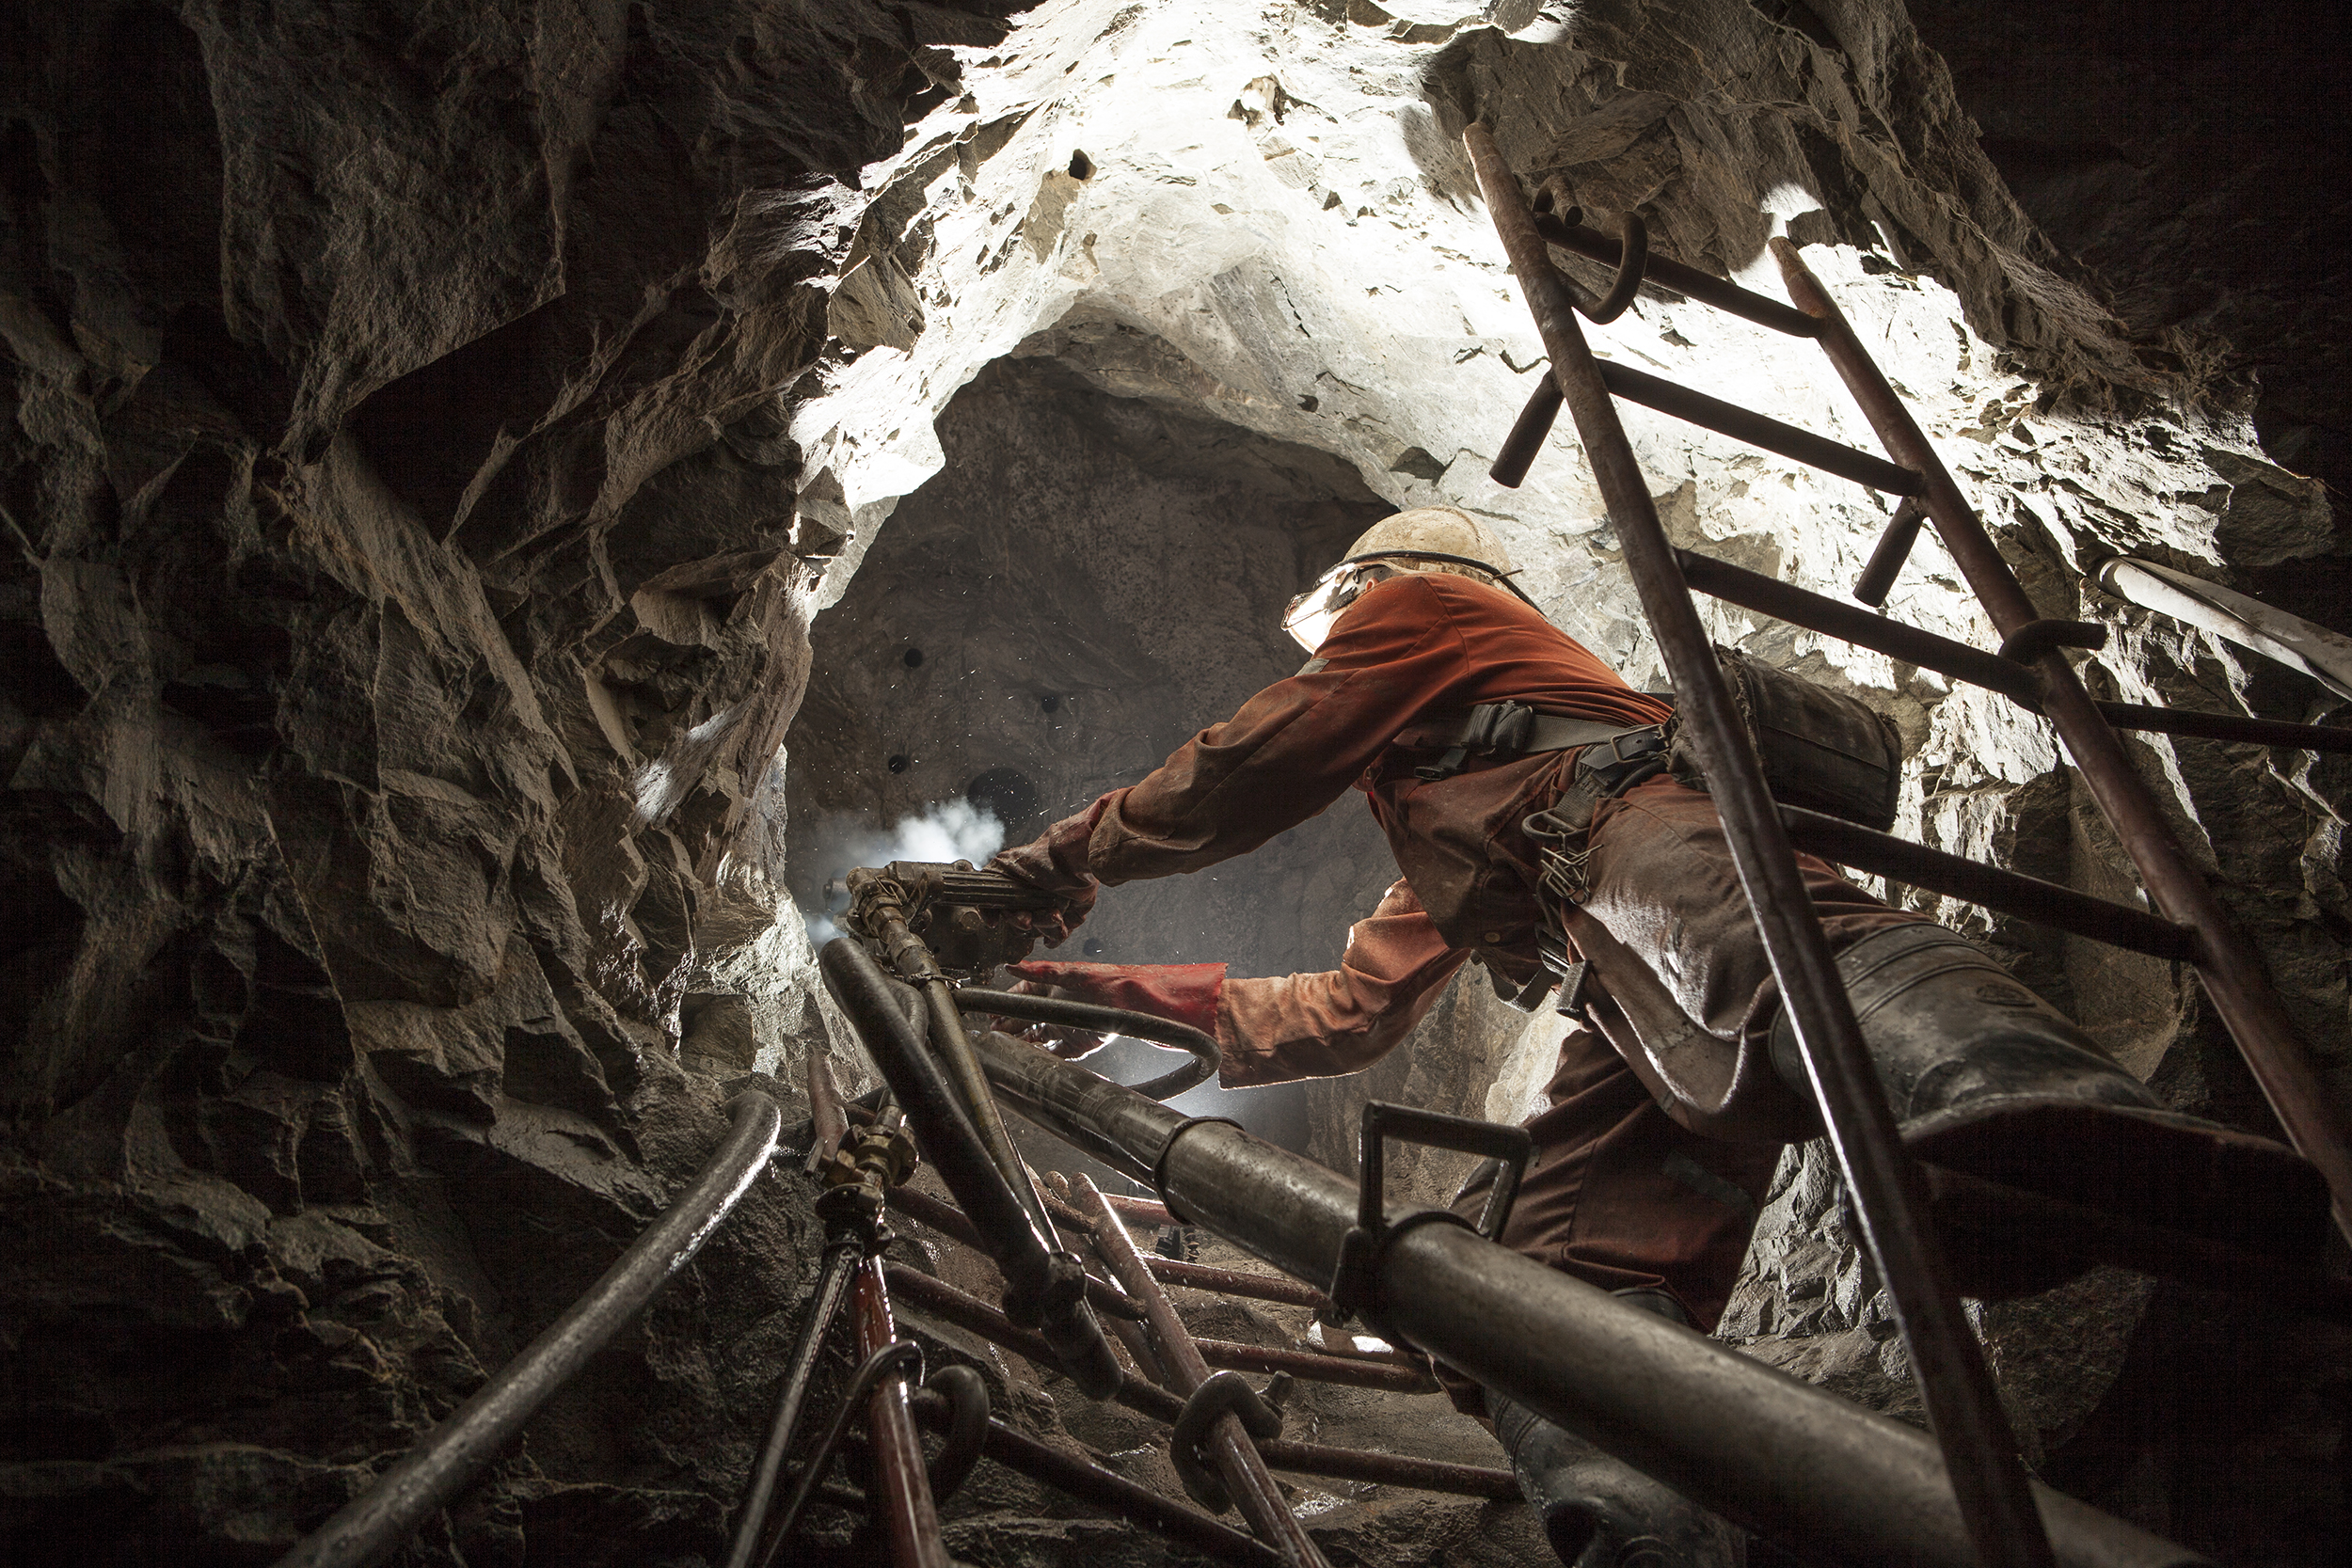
pixel 1617 742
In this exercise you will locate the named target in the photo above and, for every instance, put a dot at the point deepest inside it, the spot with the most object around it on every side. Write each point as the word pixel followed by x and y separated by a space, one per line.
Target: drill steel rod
pixel 1044 1283
pixel 1963 1406
pixel 2230 972
pixel 374 1525
pixel 1231 1449
pixel 1768 1452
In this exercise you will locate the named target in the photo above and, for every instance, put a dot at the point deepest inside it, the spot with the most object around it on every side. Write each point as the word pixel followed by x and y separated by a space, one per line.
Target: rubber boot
pixel 1986 1078
pixel 1602 1513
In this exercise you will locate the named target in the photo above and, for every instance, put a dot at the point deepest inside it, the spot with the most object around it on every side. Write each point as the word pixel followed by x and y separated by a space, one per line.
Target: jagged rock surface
pixel 431 437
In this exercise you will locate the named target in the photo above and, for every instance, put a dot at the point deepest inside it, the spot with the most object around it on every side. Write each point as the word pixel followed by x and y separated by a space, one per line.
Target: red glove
pixel 1186 993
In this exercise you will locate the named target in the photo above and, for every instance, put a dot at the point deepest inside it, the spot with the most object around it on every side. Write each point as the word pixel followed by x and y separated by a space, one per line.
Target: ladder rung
pixel 1689 281
pixel 1894 548
pixel 1786 601
pixel 2225 726
pixel 1758 430
pixel 2009 893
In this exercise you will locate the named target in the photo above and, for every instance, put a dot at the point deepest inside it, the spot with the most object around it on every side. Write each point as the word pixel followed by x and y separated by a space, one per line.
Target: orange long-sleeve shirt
pixel 1408 651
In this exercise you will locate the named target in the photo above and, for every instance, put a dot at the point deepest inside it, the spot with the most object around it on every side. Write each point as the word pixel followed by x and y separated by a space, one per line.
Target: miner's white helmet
pixel 1427 539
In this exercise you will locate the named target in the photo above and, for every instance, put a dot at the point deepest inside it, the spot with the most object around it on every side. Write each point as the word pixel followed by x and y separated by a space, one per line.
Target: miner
pixel 1425 659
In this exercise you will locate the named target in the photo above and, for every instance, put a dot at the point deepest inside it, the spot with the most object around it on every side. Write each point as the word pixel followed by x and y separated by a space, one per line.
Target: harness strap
pixel 1515 729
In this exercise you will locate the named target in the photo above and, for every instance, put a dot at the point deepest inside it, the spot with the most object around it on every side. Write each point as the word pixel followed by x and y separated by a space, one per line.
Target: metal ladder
pixel 1889 1189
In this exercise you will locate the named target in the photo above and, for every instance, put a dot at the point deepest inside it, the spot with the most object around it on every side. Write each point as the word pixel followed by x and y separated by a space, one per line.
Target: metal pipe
pixel 829 1124
pixel 1233 1282
pixel 2323 655
pixel 1355 1371
pixel 1955 877
pixel 964 1070
pixel 1894 548
pixel 1799 607
pixel 1231 1451
pixel 1108 1021
pixel 827 1120
pixel 2020 683
pixel 1387 1469
pixel 1528 434
pixel 949 1220
pixel 1770 1453
pixel 901 1478
pixel 967 1312
pixel 1757 430
pixel 374 1525
pixel 1963 1406
pixel 1121 1498
pixel 1689 281
pixel 2230 972
pixel 941 1130
pixel 833 1282
pixel 2225 726
pixel 890 1362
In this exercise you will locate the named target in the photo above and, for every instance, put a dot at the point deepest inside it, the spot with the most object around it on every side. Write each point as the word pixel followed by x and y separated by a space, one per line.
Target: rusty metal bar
pixel 949 1220
pixel 1528 434
pixel 1849 844
pixel 969 1312
pixel 1757 430
pixel 1963 1406
pixel 1689 281
pixel 2020 683
pixel 1786 601
pixel 1894 548
pixel 1359 1373
pixel 2232 972
pixel 1232 1450
pixel 1233 1282
pixel 1387 1469
pixel 900 1476
pixel 1104 1489
pixel 2225 726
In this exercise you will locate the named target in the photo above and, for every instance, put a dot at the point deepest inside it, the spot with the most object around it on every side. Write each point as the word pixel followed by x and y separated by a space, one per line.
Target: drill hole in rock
pixel 1007 794
pixel 912 658
pixel 1049 704
pixel 897 762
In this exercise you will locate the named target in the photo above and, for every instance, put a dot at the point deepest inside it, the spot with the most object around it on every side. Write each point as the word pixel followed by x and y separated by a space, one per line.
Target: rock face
pixel 435 441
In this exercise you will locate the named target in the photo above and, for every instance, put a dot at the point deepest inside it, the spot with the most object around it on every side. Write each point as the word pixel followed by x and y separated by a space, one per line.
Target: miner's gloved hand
pixel 1053 863
pixel 1186 993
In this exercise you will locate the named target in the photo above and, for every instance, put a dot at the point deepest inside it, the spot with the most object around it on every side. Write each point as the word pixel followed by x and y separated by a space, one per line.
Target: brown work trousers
pixel 1617 1193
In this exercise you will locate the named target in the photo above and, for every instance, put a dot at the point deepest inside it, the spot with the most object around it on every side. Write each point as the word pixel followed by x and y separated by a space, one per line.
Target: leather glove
pixel 1053 863
pixel 1186 993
